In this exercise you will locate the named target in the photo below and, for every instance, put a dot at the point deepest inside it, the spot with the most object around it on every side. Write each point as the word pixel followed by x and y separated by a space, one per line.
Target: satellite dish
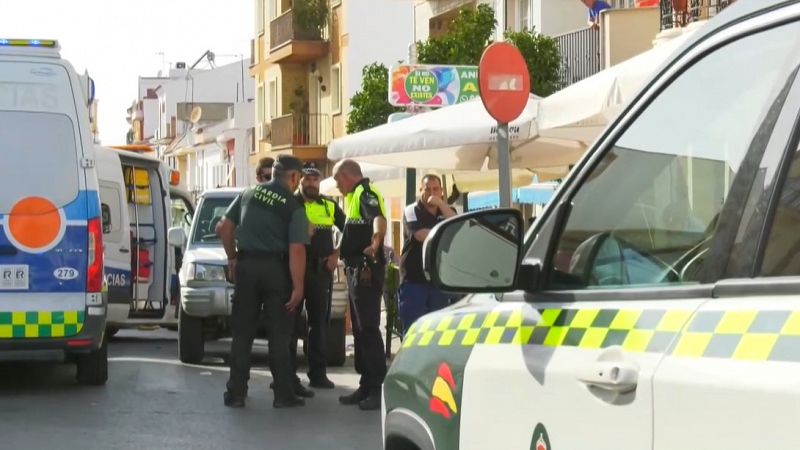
pixel 197 114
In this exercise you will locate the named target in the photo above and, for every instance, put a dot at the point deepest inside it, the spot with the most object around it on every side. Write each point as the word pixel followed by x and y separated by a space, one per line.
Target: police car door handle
pixel 612 376
pixel 124 250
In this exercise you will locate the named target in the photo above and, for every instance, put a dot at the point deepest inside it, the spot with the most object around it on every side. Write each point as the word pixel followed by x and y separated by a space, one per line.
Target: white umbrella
pixel 458 137
pixel 581 111
pixel 391 181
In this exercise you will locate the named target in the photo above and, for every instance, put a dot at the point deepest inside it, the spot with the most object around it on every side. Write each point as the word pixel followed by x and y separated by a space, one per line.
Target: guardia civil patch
pixel 540 441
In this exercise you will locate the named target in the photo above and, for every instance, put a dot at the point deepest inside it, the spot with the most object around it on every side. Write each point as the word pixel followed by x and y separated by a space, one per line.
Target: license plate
pixel 13 277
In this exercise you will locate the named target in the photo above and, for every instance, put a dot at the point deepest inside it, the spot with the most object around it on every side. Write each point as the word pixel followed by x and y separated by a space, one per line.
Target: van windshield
pixel 39 158
pixel 211 212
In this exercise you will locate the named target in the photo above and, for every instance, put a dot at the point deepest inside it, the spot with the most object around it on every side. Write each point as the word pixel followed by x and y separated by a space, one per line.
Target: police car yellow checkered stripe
pixel 40 324
pixel 737 335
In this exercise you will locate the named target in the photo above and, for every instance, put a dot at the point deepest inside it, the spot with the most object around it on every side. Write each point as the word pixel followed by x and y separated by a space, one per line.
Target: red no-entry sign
pixel 504 81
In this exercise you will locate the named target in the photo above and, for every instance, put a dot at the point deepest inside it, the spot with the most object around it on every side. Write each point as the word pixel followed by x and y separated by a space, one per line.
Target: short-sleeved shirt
pixel 596 9
pixel 268 218
pixel 321 243
pixel 357 233
pixel 416 217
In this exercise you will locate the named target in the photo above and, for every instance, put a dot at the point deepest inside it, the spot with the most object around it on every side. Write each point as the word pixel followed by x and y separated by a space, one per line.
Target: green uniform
pixel 261 215
pixel 268 219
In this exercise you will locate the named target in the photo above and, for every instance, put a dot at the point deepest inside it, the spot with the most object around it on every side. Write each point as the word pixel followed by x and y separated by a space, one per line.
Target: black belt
pixel 261 254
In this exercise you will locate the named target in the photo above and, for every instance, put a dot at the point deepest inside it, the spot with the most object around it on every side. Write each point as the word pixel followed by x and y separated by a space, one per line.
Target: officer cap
pixel 287 163
pixel 310 168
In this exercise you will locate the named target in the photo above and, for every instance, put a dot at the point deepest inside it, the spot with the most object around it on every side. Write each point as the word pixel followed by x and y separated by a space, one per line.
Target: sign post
pixel 505 86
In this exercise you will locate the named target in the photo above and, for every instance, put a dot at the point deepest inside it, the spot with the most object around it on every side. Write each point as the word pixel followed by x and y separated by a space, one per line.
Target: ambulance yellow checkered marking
pixel 747 335
pixel 40 324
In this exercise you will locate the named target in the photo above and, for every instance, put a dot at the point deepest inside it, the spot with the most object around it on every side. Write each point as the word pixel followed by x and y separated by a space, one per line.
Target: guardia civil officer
pixel 264 233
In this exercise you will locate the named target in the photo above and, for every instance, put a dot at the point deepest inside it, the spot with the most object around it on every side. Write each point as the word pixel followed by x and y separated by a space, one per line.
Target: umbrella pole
pixel 504 165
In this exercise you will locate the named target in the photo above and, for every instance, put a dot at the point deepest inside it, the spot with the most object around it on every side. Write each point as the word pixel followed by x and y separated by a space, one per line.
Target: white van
pixel 52 302
pixel 139 204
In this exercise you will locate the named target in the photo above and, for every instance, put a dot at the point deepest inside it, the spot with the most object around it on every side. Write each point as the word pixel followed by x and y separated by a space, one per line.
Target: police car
pixel 655 304
pixel 52 296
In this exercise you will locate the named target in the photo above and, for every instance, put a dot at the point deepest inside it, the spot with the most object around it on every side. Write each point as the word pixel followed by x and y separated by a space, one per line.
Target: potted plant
pixel 310 18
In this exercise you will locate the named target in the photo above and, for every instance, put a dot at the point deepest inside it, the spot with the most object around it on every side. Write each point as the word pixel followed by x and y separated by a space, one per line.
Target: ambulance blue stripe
pixel 69 253
pixel 86 201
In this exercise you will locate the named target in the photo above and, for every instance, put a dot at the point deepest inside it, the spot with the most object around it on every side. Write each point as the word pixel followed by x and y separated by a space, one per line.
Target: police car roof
pixel 222 192
pixel 738 10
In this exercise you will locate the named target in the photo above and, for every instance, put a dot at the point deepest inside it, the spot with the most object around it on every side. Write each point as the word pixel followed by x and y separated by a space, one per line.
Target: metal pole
pixel 411 186
pixel 504 164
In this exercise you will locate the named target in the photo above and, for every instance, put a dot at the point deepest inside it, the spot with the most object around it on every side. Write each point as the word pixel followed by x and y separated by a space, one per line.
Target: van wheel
pixel 112 331
pixel 93 367
pixel 336 343
pixel 190 338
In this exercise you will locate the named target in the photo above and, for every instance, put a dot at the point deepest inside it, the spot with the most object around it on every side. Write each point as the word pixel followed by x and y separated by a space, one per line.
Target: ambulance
pixel 140 202
pixel 655 304
pixel 52 296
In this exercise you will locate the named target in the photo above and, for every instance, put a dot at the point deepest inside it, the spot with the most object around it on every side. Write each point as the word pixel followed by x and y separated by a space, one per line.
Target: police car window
pixel 211 212
pixel 648 212
pixel 37 163
pixel 782 253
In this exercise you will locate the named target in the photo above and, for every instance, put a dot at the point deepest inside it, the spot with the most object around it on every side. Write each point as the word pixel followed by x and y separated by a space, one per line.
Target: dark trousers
pixel 262 283
pixel 318 287
pixel 365 294
pixel 418 299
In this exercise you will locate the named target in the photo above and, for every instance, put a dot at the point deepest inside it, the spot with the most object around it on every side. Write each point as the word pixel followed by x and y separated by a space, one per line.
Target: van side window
pixel 106 212
pixel 648 212
pixel 782 253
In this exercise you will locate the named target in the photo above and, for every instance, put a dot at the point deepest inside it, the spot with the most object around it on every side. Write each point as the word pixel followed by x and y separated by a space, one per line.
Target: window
pixel 336 89
pixel 111 210
pixel 524 15
pixel 181 214
pixel 648 212
pixel 262 101
pixel 260 16
pixel 273 98
pixel 782 254
pixel 273 9
pixel 211 212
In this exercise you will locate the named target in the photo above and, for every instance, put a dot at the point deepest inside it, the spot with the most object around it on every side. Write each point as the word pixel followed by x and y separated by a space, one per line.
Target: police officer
pixel 362 252
pixel 264 233
pixel 322 259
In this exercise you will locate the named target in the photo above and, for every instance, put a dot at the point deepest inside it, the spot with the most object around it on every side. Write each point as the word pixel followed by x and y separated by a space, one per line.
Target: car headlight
pixel 207 272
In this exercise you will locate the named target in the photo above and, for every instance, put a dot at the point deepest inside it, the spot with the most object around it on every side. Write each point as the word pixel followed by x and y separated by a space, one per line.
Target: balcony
pixel 679 13
pixel 306 135
pixel 580 55
pixel 290 43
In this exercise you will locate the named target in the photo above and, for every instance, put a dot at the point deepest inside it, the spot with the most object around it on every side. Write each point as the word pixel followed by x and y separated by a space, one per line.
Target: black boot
pixel 355 398
pixel 302 391
pixel 372 402
pixel 233 401
pixel 288 403
pixel 321 382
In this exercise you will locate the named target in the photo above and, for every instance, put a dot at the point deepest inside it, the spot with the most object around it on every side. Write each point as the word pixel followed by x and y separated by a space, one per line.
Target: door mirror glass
pixel 176 237
pixel 476 252
pixel 106 213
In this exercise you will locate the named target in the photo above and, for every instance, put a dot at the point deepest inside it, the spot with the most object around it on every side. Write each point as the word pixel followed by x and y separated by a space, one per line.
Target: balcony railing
pixel 302 130
pixel 679 13
pixel 284 29
pixel 580 55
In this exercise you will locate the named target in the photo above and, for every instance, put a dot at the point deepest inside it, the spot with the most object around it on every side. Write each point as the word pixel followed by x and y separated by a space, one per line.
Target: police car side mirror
pixel 475 252
pixel 176 237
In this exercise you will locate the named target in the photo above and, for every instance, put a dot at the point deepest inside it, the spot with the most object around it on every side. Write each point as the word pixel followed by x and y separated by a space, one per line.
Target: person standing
pixel 322 260
pixel 362 252
pixel 264 234
pixel 264 169
pixel 595 8
pixel 417 295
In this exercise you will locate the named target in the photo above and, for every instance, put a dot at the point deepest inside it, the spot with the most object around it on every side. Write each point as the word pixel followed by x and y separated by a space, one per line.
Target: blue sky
pixel 116 41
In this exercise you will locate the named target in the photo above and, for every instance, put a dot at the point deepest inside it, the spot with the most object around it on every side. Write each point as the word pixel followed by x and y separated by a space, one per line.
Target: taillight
pixel 94 272
pixel 143 265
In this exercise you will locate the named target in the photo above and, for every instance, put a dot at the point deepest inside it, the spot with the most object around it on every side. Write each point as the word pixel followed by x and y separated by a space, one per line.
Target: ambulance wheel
pixel 336 343
pixel 112 331
pixel 190 339
pixel 93 367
